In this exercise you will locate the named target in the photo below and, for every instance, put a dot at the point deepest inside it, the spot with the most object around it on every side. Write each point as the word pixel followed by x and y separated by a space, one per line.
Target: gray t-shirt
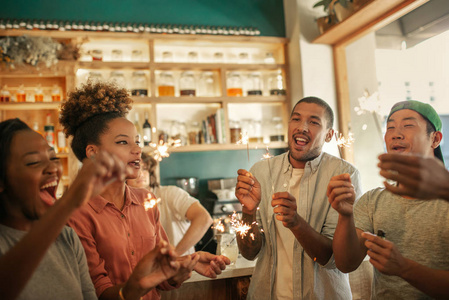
pixel 418 228
pixel 62 273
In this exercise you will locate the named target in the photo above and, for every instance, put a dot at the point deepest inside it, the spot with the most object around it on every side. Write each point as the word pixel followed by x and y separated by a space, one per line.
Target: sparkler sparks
pixel 150 202
pixel 238 225
pixel 267 156
pixel 161 150
pixel 343 142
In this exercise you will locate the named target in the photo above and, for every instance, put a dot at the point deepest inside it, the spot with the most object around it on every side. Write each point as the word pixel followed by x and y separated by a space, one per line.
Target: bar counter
pixel 232 284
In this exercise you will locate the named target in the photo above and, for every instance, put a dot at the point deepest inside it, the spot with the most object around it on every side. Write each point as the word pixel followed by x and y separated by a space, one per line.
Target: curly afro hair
pixel 88 110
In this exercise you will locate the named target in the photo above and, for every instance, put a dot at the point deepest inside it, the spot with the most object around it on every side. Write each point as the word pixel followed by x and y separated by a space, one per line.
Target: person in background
pixel 115 228
pixel 418 176
pixel 41 258
pixel 183 217
pixel 292 224
pixel 409 252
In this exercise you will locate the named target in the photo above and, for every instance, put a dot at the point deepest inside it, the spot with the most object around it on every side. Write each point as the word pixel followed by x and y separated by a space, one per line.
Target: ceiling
pixel 415 27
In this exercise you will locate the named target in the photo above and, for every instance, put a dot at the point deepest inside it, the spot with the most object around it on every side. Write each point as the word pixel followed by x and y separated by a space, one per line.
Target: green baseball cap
pixel 428 113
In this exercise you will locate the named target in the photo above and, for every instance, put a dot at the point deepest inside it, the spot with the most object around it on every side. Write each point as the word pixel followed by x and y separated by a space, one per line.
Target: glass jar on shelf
pixel 234 83
pixel 269 59
pixel 183 133
pixel 118 78
pixel 139 84
pixel 167 56
pixel 206 85
pixel 116 55
pixel 235 131
pixel 55 93
pixel 38 94
pixel 166 87
pixel 218 57
pixel 5 95
pixel 255 131
pixel 136 55
pixel 94 76
pixel 194 133
pixel 277 134
pixel 192 57
pixel 254 84
pixel 21 95
pixel 243 58
pixel 187 85
pixel 97 54
pixel 276 83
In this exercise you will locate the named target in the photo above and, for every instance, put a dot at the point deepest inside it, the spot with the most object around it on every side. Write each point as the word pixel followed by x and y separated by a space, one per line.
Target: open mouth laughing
pixel 48 192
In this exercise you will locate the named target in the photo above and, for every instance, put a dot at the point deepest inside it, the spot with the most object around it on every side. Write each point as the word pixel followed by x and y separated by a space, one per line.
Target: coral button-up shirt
pixel 114 240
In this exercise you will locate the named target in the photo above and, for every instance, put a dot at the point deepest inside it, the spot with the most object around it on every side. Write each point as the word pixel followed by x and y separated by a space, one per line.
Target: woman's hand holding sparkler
pixel 341 194
pixel 284 205
pixel 248 191
pixel 211 265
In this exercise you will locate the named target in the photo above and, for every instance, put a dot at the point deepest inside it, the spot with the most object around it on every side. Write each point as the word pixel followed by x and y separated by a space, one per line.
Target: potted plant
pixel 325 22
pixel 340 8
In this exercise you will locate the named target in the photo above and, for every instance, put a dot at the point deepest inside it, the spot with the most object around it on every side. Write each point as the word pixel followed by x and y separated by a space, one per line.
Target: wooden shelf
pixel 113 65
pixel 29 105
pixel 373 15
pixel 215 66
pixel 219 99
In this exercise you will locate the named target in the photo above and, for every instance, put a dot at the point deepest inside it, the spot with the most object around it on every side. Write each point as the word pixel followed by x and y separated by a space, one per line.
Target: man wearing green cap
pixel 409 252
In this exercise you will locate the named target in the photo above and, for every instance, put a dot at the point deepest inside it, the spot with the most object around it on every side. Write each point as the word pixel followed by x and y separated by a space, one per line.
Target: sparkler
pixel 219 227
pixel 343 142
pixel 161 149
pixel 150 202
pixel 239 226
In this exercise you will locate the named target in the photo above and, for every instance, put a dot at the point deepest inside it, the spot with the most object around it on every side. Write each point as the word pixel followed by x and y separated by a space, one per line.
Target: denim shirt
pixel 310 280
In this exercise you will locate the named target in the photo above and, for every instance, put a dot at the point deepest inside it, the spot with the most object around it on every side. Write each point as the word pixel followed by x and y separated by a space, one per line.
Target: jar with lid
pixel 117 55
pixel 97 54
pixel 118 78
pixel 94 76
pixel 167 56
pixel 254 84
pixel 5 95
pixel 277 134
pixel 234 83
pixel 55 94
pixel 206 85
pixel 235 131
pixel 38 94
pixel 166 87
pixel 182 133
pixel 276 83
pixel 187 85
pixel 255 131
pixel 139 84
pixel 269 59
pixel 218 57
pixel 194 133
pixel 21 95
pixel 243 58
pixel 136 55
pixel 192 57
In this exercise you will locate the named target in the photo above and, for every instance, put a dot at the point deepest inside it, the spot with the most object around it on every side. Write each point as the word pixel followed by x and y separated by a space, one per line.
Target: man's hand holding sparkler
pixel 248 191
pixel 341 194
pixel 284 206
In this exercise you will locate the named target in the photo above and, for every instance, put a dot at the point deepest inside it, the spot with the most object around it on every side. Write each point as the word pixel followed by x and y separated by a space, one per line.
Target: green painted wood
pixel 266 15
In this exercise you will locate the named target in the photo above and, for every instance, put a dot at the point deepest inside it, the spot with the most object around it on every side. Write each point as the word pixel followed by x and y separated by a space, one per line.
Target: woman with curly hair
pixel 40 258
pixel 115 229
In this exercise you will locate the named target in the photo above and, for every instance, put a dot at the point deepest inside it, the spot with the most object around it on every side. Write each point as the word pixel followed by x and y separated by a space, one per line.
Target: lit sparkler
pixel 161 150
pixel 150 202
pixel 239 226
pixel 343 142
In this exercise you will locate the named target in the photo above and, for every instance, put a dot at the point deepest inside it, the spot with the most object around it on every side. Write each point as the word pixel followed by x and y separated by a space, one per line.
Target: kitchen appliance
pixel 189 184
pixel 226 202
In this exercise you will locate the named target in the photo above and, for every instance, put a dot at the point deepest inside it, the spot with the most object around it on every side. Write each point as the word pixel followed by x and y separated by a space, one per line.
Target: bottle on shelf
pixel 276 84
pixel 5 95
pixel 62 145
pixel 187 86
pixel 49 132
pixel 166 87
pixel 138 128
pixel 139 84
pixel 38 94
pixel 146 130
pixel 36 128
pixel 21 96
pixel 234 85
pixel 56 94
pixel 254 84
